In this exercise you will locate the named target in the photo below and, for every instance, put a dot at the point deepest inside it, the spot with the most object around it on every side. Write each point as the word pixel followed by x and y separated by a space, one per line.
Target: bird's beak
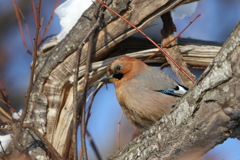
pixel 106 78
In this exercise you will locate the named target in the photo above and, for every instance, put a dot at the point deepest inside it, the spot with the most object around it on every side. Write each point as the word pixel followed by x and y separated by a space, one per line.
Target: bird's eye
pixel 118 68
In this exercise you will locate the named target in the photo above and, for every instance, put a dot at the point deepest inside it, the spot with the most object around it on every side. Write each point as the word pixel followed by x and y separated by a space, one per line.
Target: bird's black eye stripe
pixel 118 76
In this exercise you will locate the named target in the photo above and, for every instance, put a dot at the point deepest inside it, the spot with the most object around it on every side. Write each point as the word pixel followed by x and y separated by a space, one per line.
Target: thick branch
pixel 52 90
pixel 206 116
pixel 50 101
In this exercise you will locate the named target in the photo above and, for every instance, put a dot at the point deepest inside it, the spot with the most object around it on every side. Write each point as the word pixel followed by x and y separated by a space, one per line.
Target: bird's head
pixel 122 68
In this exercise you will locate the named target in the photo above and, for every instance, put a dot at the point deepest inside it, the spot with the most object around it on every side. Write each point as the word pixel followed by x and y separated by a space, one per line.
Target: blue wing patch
pixel 169 91
pixel 178 91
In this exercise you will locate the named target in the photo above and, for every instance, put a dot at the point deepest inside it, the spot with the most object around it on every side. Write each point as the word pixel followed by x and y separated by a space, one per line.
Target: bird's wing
pixel 159 81
pixel 178 91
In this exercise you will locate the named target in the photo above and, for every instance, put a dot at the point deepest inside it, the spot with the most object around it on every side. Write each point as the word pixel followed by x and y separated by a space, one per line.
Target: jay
pixel 144 93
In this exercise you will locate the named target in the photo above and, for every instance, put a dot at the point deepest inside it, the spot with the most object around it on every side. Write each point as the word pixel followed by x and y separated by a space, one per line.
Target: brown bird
pixel 144 93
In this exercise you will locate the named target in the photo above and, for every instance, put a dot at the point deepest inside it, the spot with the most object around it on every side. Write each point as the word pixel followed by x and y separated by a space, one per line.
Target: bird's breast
pixel 141 105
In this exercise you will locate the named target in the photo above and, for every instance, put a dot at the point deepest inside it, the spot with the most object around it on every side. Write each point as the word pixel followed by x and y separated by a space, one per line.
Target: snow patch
pixel 69 12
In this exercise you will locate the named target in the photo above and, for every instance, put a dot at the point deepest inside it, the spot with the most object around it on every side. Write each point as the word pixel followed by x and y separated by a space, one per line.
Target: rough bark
pixel 50 104
pixel 204 117
pixel 52 93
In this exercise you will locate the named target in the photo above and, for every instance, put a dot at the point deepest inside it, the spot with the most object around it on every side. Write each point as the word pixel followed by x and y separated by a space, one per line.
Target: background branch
pixel 52 92
pixel 203 118
pixel 168 35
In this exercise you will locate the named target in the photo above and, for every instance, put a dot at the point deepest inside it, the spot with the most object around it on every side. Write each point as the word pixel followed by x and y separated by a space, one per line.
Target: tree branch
pixel 173 50
pixel 205 117
pixel 52 93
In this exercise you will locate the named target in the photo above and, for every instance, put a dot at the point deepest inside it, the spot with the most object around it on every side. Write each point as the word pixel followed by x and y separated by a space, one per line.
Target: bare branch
pixel 33 64
pixel 206 116
pixel 173 50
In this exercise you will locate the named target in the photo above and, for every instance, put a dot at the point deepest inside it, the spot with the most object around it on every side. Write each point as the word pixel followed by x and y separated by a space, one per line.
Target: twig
pixel 94 146
pixel 91 103
pixel 6 115
pixel 182 31
pixel 10 107
pixel 168 34
pixel 75 118
pixel 75 86
pixel 87 119
pixel 45 38
pixel 43 139
pixel 134 135
pixel 49 22
pixel 24 113
pixel 119 125
pixel 4 99
pixel 20 26
pixel 41 26
pixel 28 32
pixel 173 38
pixel 3 93
pixel 34 12
pixel 83 96
pixel 166 54
pixel 80 154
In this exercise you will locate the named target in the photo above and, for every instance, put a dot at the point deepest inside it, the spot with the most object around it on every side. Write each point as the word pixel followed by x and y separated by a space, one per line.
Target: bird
pixel 144 93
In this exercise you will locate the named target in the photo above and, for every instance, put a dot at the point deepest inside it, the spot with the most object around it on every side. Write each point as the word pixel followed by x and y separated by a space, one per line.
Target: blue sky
pixel 218 18
pixel 213 25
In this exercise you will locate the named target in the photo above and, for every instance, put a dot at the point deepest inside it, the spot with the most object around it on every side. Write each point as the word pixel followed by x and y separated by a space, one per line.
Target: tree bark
pixel 52 92
pixel 202 113
pixel 205 116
